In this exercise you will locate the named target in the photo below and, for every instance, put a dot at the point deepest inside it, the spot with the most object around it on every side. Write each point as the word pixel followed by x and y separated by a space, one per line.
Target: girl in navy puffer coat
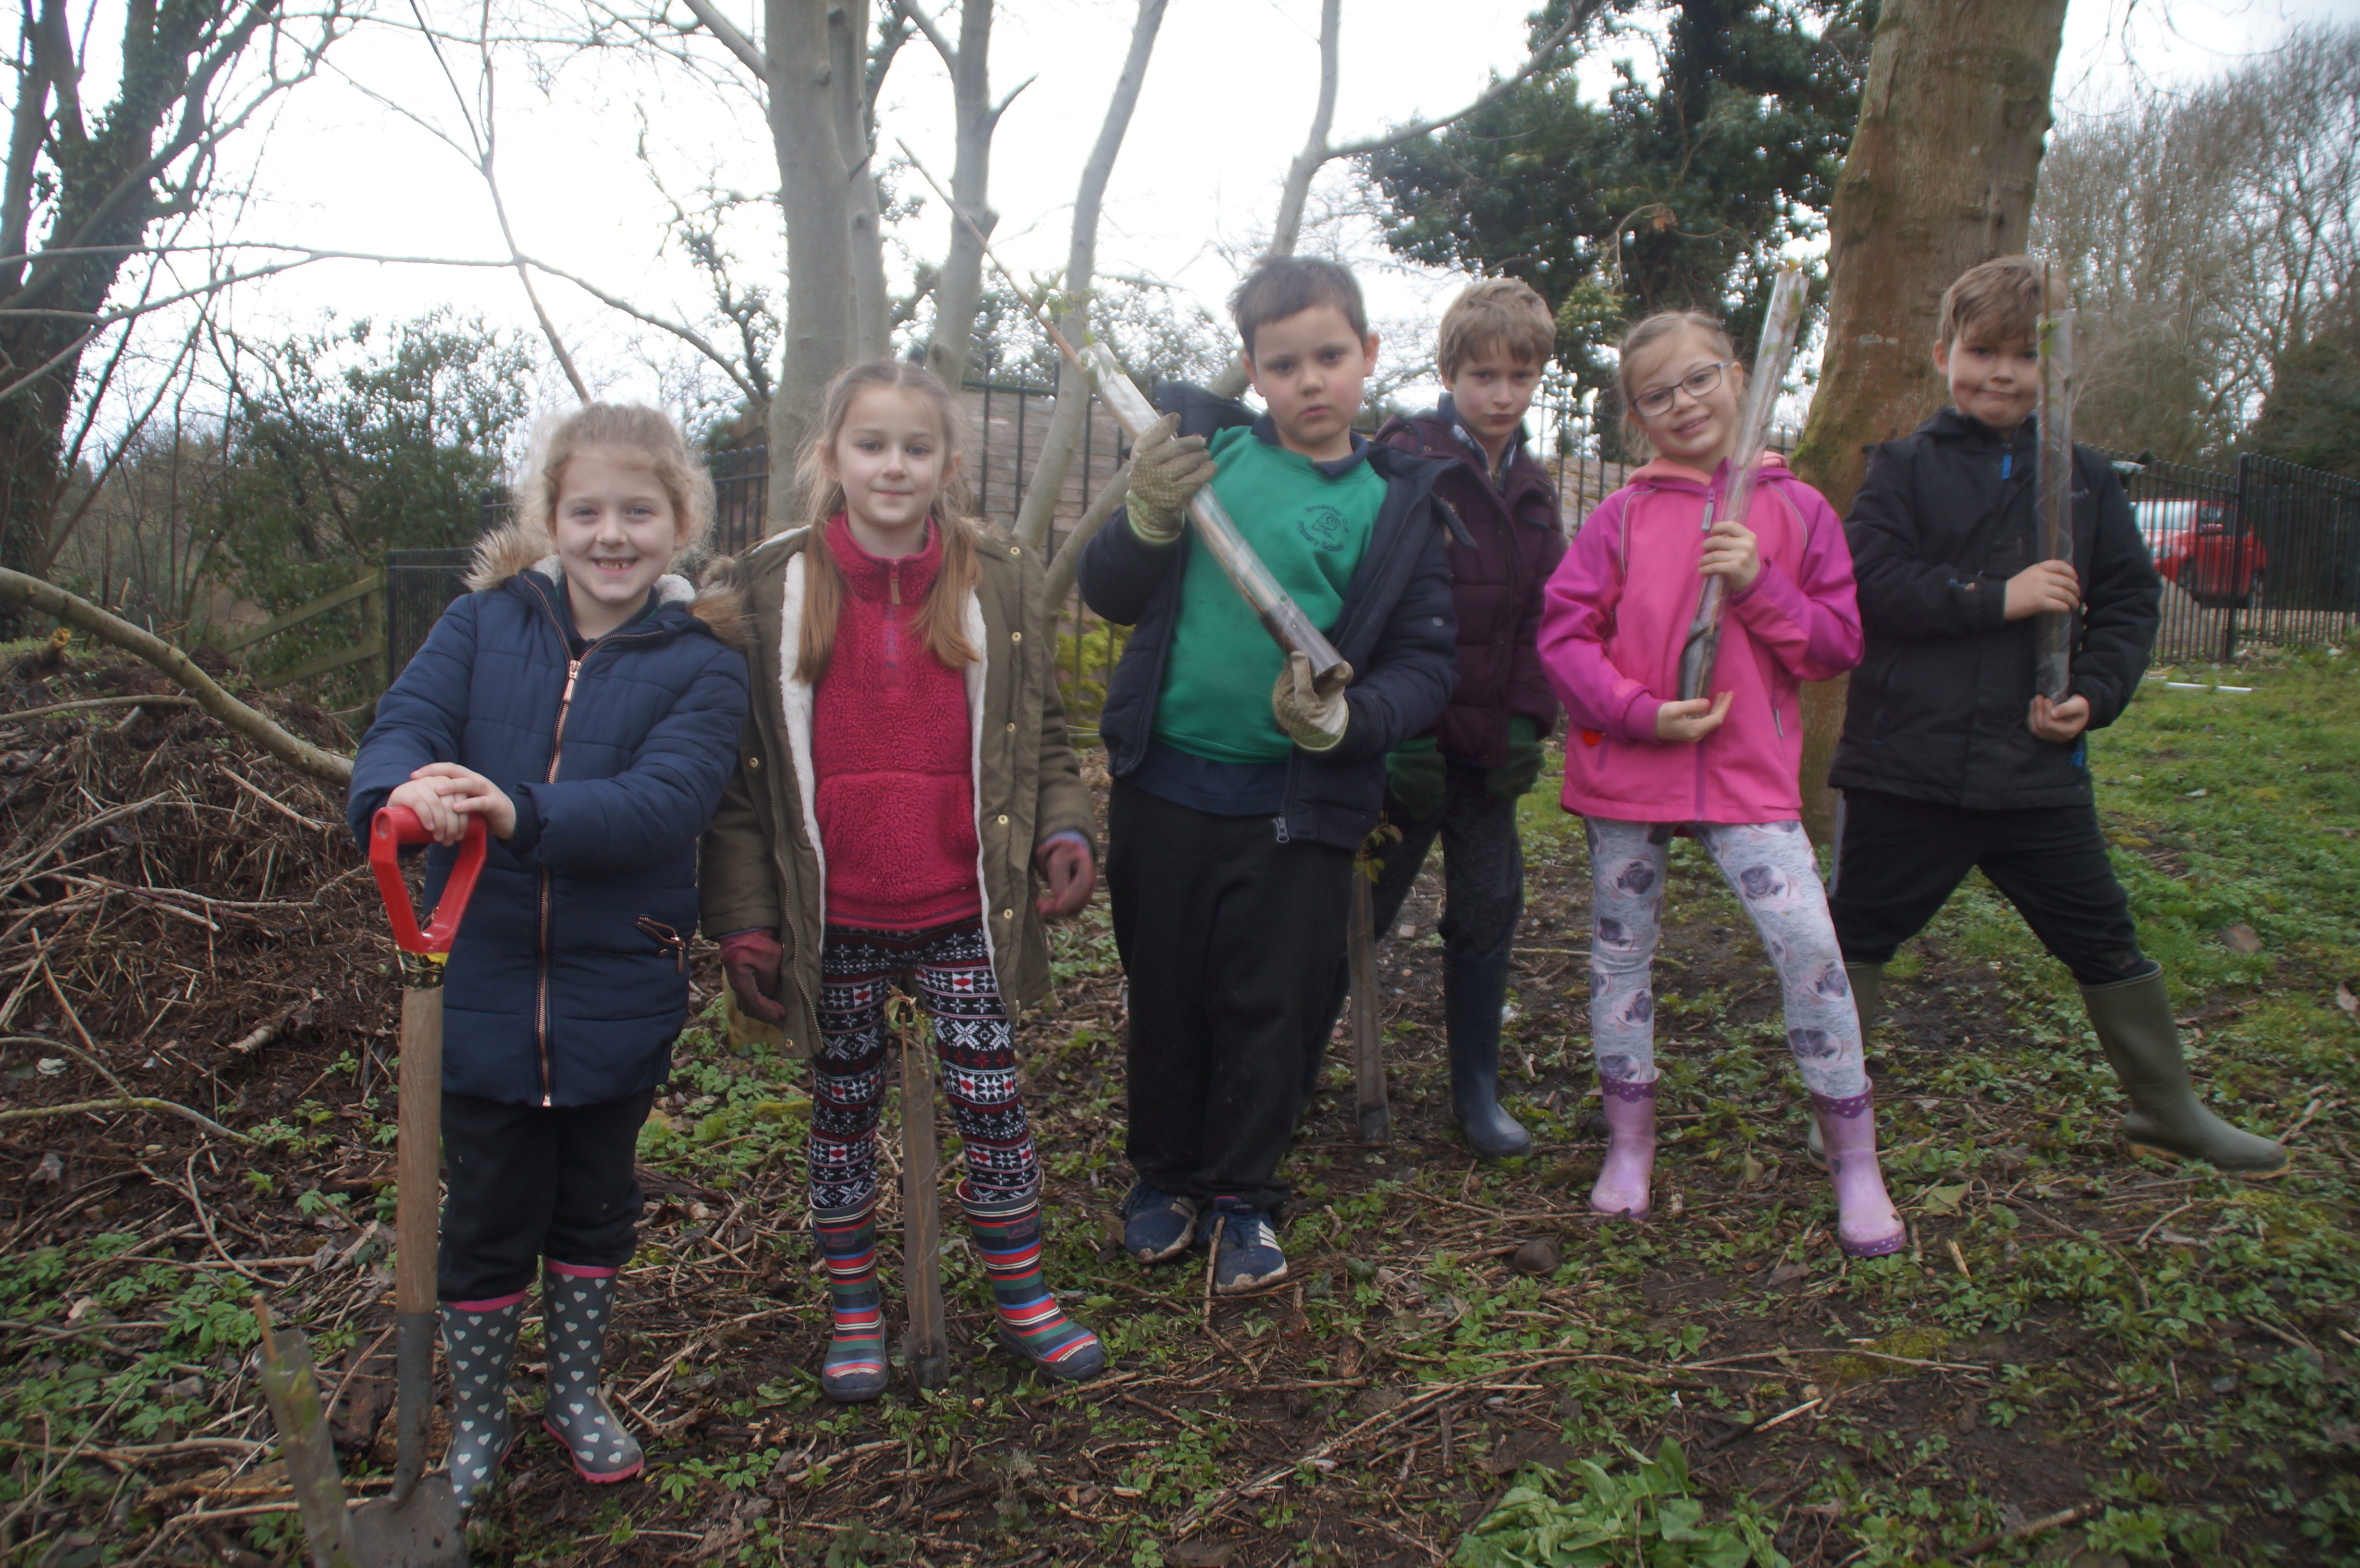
pixel 583 702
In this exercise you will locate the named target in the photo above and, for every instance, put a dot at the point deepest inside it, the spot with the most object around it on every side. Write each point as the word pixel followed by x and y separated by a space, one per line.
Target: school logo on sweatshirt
pixel 1322 527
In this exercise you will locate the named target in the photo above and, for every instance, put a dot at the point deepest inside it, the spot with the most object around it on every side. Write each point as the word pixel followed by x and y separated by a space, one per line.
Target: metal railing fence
pixel 2265 554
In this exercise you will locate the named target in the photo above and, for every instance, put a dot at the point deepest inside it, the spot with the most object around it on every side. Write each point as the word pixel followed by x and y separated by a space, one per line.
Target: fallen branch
pixel 2063 1516
pixel 126 1102
pixel 275 803
pixel 154 699
pixel 49 599
pixel 87 1052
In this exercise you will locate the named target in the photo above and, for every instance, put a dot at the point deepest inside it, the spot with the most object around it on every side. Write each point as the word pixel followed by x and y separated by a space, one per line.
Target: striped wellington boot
pixel 855 1368
pixel 1031 1322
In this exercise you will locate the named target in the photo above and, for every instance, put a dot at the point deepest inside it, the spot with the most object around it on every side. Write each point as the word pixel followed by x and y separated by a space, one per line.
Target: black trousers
pixel 1898 859
pixel 1229 940
pixel 524 1182
pixel 1482 876
pixel 1482 864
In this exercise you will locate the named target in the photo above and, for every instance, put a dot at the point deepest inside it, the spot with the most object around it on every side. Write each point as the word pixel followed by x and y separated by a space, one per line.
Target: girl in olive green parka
pixel 903 790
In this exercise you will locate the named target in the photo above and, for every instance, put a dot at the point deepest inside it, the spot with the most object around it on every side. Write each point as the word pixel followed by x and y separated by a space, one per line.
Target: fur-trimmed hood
pixel 512 550
pixel 568 980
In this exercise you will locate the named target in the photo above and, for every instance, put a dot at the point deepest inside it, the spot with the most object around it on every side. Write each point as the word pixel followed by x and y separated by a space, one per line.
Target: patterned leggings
pixel 1769 866
pixel 973 1042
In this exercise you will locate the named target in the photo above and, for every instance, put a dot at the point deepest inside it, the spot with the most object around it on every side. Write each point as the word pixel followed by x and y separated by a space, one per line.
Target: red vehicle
pixel 2195 544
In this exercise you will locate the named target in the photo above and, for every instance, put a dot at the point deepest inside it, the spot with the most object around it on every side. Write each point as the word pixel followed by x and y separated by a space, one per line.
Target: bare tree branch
pixel 736 42
pixel 48 599
pixel 1072 408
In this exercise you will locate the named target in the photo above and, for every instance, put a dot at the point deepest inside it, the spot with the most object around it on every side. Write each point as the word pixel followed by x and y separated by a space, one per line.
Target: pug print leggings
pixel 1769 866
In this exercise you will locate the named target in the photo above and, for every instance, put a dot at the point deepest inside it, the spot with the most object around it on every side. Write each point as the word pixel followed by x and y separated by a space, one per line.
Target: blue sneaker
pixel 1156 1226
pixel 1249 1257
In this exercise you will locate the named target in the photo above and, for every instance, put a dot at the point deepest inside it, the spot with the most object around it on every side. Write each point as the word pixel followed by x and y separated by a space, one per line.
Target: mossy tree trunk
pixel 1939 177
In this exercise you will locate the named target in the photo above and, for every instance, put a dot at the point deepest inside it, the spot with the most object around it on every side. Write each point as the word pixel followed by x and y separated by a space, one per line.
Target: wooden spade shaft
pixel 418 1167
pixel 1368 1043
pixel 928 1346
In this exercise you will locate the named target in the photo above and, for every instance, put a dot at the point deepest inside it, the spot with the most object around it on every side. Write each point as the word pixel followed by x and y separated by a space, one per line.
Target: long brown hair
pixel 940 622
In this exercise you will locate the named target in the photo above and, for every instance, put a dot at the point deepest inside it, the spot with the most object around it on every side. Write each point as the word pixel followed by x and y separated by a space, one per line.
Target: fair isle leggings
pixel 973 1041
pixel 1769 866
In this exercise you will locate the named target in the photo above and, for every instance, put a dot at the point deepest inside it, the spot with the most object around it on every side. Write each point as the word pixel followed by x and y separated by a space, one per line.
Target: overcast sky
pixel 1226 104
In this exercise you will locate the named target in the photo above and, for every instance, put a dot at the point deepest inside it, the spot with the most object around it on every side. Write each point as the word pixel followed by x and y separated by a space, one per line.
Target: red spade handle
pixel 394 826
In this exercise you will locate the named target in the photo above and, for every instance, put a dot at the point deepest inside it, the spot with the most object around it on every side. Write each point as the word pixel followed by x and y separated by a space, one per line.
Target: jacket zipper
pixel 540 1002
pixel 1500 675
pixel 556 749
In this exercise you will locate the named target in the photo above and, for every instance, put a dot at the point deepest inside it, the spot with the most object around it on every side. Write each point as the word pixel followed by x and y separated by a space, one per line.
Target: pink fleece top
pixel 890 753
pixel 1614 617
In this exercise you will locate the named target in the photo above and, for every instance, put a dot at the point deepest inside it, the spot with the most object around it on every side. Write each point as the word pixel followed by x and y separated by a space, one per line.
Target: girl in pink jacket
pixel 1640 768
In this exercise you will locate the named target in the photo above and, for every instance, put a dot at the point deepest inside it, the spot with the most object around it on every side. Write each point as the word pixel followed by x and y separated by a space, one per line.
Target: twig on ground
pixel 127 1103
pixel 274 803
pixel 2057 1520
pixel 154 699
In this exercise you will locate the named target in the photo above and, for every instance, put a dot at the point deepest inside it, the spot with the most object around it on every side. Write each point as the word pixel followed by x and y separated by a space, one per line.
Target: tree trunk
pixel 958 291
pixel 1081 266
pixel 802 80
pixel 1939 177
pixel 848 35
pixel 1293 196
pixel 102 180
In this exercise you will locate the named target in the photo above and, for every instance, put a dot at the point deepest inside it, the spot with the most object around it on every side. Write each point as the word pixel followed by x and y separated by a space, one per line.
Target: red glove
pixel 751 959
pixel 1071 874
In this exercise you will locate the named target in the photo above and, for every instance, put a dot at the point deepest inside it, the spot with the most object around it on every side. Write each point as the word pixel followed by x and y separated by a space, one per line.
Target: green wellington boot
pixel 2133 1018
pixel 1867 981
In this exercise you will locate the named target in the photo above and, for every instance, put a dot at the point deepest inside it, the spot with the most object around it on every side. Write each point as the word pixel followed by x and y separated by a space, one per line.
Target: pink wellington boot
pixel 1621 1187
pixel 1867 1224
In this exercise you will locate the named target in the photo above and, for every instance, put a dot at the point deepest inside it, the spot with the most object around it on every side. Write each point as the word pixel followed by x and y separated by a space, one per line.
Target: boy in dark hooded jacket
pixel 1460 780
pixel 1949 761
pixel 1241 788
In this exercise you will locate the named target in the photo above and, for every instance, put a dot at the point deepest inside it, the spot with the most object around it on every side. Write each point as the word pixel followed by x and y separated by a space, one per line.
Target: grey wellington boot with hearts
pixel 479 1339
pixel 575 1304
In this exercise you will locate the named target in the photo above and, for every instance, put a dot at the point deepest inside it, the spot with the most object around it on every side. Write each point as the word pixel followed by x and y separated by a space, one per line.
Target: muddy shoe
pixel 1246 1242
pixel 1156 1226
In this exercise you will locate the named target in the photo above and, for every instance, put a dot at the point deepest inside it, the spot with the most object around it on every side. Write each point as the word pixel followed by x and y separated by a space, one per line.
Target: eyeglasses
pixel 1695 384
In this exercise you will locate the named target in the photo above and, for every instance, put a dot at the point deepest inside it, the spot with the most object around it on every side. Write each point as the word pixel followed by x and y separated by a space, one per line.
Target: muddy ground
pixel 2082 1353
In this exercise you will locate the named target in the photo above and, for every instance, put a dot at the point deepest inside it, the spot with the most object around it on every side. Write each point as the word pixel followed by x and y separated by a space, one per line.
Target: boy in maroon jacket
pixel 1461 778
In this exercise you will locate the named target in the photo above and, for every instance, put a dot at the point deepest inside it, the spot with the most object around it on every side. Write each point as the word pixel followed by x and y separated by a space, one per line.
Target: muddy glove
pixel 1523 770
pixel 1313 713
pixel 1415 774
pixel 750 960
pixel 1165 472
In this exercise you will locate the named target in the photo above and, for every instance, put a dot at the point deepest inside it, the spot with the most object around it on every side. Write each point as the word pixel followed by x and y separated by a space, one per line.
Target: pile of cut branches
pixel 170 895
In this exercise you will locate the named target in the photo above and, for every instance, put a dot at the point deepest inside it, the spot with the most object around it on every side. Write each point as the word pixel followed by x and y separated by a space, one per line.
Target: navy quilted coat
pixel 568 980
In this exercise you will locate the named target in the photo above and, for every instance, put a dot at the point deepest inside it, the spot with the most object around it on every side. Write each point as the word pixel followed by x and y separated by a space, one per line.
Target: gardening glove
pixel 1067 866
pixel 1523 770
pixel 1165 472
pixel 1312 713
pixel 1415 774
pixel 750 960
